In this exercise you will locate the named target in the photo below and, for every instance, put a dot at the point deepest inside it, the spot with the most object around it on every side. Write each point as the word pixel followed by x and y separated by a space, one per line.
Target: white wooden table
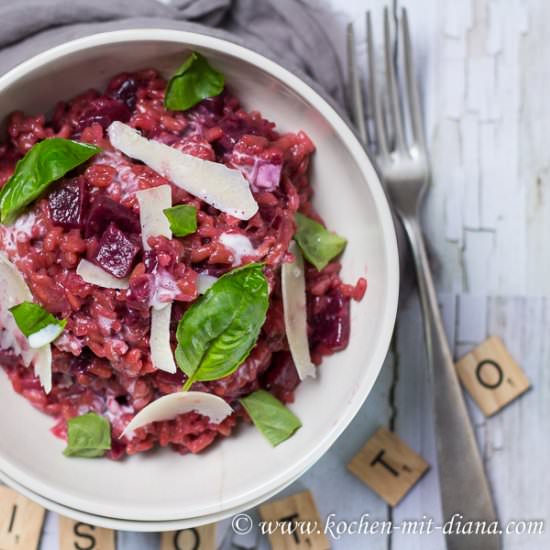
pixel 485 80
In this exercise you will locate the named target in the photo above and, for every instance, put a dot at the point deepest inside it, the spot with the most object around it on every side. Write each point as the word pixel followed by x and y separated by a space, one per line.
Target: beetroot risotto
pixel 164 272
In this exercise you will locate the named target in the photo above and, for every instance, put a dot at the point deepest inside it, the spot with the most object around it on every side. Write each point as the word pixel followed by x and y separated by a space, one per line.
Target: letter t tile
pixel 388 466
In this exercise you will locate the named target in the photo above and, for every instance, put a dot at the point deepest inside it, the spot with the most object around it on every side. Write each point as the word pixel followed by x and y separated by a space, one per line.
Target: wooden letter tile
pixel 388 466
pixel 196 538
pixel 491 376
pixel 21 521
pixel 76 535
pixel 295 523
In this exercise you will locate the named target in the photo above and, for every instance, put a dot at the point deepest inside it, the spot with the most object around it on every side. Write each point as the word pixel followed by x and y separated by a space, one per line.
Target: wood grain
pixel 75 535
pixel 295 523
pixel 197 538
pixel 484 73
pixel 21 521
pixel 388 466
pixel 491 375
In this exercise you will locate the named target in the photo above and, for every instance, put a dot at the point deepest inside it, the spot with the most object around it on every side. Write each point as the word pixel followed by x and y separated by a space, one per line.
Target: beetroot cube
pixel 281 378
pixel 331 321
pixel 67 203
pixel 116 252
pixel 105 210
pixel 124 88
pixel 103 111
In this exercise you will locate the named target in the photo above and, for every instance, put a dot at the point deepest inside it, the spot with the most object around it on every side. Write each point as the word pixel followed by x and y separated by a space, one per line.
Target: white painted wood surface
pixel 485 68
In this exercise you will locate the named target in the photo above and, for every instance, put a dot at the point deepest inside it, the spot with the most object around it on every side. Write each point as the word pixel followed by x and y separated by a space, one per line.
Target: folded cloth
pixel 287 31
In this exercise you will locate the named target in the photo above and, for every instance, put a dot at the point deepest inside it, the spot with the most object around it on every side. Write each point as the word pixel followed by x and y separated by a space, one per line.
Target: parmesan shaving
pixel 44 336
pixel 94 275
pixel 295 313
pixel 152 203
pixel 154 223
pixel 159 341
pixel 14 291
pixel 170 406
pixel 221 187
pixel 239 246
pixel 204 282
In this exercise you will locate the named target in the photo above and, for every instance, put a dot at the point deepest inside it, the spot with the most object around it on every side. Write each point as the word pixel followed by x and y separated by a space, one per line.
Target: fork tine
pixel 358 111
pixel 373 98
pixel 391 77
pixel 412 85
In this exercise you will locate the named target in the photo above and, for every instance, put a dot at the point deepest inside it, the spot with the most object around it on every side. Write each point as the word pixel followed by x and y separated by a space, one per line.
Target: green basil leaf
pixel 270 416
pixel 32 318
pixel 45 163
pixel 88 436
pixel 317 243
pixel 182 218
pixel 194 81
pixel 216 334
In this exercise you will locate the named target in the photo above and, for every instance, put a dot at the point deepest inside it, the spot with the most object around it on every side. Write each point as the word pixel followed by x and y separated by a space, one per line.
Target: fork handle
pixel 464 486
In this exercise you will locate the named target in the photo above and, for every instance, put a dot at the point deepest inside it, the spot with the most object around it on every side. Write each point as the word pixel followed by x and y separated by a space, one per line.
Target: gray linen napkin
pixel 285 30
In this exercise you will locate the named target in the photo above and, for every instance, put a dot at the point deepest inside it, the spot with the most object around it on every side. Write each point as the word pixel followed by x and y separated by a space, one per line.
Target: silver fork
pixel 404 166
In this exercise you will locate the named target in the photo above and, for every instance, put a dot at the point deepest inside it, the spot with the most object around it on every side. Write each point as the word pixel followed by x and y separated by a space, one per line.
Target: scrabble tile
pixel 74 534
pixel 491 376
pixel 21 521
pixel 388 466
pixel 298 513
pixel 196 538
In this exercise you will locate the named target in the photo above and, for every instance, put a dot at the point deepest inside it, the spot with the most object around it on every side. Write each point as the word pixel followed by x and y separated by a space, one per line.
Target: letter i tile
pixel 388 466
pixel 21 521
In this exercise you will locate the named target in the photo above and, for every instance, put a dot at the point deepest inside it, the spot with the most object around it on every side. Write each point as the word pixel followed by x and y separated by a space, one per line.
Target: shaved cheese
pixel 204 282
pixel 295 313
pixel 14 291
pixel 159 341
pixel 154 223
pixel 239 246
pixel 94 275
pixel 43 367
pixel 172 405
pixel 44 336
pixel 214 183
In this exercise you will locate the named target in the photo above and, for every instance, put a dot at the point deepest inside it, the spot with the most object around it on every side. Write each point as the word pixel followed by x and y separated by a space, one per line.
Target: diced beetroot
pixel 124 88
pixel 281 378
pixel 67 203
pixel 116 252
pixel 234 128
pixel 103 111
pixel 105 210
pixel 330 321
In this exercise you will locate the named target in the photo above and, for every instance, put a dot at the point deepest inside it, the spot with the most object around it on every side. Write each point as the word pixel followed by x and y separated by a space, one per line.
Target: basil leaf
pixel 182 218
pixel 317 243
pixel 88 436
pixel 45 163
pixel 216 334
pixel 194 81
pixel 270 416
pixel 32 319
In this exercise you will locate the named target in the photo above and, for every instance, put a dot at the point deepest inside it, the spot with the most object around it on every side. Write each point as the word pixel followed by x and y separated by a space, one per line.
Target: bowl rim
pixel 382 207
pixel 154 526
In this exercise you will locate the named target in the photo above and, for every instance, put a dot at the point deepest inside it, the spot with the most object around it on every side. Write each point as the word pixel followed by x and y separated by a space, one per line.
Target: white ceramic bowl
pixel 140 526
pixel 162 485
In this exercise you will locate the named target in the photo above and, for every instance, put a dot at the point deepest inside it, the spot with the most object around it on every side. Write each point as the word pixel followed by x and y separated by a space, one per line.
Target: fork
pixel 403 163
